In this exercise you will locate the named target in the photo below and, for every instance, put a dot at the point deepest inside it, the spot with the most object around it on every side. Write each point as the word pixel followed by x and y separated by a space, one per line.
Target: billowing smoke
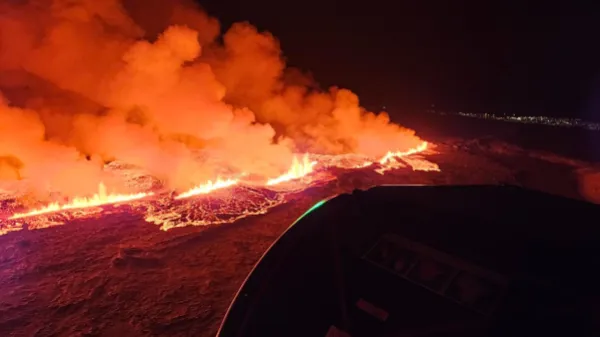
pixel 149 83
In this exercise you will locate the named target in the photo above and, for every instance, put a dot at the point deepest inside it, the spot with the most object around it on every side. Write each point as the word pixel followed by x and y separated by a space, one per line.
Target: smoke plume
pixel 148 83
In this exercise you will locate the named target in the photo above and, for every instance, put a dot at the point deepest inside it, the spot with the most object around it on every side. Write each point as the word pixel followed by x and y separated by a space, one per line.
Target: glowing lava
pixel 256 199
pixel 208 187
pixel 297 171
pixel 390 156
pixel 166 110
pixel 399 159
pixel 419 164
pixel 98 199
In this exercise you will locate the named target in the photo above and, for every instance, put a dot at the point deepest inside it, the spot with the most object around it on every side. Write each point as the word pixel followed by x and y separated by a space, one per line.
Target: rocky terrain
pixel 118 275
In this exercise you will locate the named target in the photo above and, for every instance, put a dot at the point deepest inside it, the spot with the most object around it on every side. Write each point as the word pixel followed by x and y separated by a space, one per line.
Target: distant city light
pixel 543 120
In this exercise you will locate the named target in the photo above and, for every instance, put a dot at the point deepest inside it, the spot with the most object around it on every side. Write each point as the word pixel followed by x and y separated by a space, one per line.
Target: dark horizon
pixel 521 57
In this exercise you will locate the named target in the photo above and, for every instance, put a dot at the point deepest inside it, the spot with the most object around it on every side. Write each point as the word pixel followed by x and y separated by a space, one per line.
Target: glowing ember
pixel 98 199
pixel 297 171
pixel 208 187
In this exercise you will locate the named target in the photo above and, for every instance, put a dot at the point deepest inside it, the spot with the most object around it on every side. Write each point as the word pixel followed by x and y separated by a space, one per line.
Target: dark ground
pixel 577 143
pixel 120 276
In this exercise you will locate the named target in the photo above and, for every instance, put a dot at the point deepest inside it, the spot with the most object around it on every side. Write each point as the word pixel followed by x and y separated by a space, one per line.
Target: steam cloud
pixel 83 82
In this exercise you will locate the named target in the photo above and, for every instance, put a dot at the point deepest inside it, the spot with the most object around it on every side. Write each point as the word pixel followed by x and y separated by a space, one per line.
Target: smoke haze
pixel 151 83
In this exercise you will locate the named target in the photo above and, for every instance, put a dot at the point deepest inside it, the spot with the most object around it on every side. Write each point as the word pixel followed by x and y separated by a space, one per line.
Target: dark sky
pixel 508 56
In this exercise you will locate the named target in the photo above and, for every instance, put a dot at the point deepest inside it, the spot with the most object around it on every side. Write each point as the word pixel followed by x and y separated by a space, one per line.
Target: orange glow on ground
pixel 301 167
pixel 98 199
pixel 399 154
pixel 298 170
pixel 208 187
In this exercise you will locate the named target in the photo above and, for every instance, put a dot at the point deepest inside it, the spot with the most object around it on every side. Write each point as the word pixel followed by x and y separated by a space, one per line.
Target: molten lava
pixel 399 159
pixel 166 101
pixel 390 156
pixel 168 215
pixel 98 199
pixel 208 187
pixel 298 170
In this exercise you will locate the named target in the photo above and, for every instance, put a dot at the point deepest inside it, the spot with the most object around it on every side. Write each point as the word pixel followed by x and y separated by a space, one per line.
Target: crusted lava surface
pixel 114 273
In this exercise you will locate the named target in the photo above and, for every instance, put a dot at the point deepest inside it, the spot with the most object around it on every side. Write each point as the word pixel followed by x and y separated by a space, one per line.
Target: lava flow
pixel 91 92
pixel 297 171
pixel 208 187
pixel 98 199
pixel 392 156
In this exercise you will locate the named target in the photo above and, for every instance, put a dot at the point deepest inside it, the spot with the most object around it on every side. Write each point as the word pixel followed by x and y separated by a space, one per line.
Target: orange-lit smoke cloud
pixel 147 83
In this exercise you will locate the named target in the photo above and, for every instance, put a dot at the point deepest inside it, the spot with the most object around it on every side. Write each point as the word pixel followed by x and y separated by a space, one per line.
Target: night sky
pixel 519 57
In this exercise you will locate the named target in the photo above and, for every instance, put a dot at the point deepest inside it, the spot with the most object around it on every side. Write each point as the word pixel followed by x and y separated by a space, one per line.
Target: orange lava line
pixel 208 187
pixel 299 169
pixel 98 199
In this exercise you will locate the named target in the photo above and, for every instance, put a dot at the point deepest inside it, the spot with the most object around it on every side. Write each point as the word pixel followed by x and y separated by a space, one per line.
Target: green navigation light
pixel 315 206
